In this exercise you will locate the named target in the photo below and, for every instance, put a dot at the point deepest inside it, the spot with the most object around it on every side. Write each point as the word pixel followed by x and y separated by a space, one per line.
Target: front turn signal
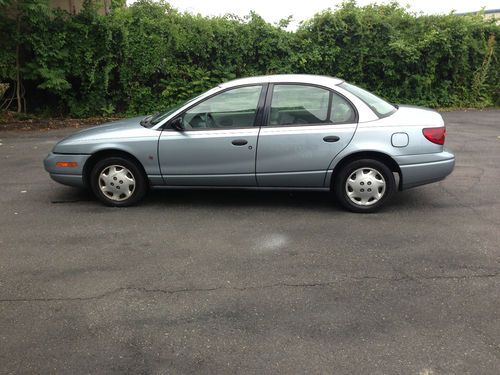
pixel 67 164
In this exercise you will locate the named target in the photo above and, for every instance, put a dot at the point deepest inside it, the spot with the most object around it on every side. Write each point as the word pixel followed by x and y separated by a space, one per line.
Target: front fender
pixel 144 149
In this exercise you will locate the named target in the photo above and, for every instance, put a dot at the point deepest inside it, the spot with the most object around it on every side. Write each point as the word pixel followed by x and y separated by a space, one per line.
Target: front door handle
pixel 239 142
pixel 331 138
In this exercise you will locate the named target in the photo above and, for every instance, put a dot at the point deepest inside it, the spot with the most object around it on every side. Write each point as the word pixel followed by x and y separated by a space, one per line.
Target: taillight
pixel 435 135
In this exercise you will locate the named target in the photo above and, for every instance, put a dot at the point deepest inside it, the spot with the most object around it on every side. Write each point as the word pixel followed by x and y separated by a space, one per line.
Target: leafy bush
pixel 149 56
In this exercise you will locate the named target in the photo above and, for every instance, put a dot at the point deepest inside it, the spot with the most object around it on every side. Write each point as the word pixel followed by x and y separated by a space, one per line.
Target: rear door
pixel 217 146
pixel 305 127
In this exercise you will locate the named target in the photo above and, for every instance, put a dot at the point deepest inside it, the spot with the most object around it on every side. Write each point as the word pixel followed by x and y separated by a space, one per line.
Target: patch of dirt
pixel 13 121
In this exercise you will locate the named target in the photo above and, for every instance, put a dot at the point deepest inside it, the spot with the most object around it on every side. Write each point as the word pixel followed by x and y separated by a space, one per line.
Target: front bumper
pixel 72 176
pixel 424 169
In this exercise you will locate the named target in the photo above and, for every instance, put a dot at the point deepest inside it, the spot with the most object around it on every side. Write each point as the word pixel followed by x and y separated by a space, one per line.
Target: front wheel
pixel 364 185
pixel 118 182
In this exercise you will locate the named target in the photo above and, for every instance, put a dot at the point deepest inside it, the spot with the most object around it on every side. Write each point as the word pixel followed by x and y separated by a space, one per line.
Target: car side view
pixel 271 132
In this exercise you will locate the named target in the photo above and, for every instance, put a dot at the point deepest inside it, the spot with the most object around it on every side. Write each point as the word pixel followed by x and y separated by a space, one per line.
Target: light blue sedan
pixel 272 132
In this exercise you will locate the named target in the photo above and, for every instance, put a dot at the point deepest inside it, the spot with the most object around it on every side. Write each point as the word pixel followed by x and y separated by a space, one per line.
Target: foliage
pixel 3 88
pixel 148 56
pixel 426 60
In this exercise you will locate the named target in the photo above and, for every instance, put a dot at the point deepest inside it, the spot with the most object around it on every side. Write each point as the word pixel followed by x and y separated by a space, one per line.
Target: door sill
pixel 208 187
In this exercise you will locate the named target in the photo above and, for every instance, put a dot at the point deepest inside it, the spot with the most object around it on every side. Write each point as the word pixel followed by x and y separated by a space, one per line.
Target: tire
pixel 364 185
pixel 125 186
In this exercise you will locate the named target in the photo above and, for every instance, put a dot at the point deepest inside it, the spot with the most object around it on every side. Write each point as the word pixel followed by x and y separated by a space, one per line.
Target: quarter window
pixel 234 108
pixel 341 111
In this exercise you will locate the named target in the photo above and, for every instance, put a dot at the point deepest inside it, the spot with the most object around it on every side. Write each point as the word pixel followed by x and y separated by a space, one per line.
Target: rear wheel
pixel 364 185
pixel 118 182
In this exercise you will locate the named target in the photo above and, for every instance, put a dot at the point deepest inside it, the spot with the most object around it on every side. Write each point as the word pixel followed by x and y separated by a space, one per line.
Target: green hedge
pixel 149 56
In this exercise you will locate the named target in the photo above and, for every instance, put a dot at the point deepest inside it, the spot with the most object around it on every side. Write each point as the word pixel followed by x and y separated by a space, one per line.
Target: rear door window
pixel 299 104
pixel 293 104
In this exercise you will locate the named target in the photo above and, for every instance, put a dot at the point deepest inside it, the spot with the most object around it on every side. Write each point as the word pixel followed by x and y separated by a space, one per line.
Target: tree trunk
pixel 18 67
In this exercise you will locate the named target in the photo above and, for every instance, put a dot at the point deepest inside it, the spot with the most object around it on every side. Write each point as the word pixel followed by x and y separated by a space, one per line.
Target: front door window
pixel 232 109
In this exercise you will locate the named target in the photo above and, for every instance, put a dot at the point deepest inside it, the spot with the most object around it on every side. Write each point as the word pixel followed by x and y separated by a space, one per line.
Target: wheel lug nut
pixel 369 183
pixel 121 182
pixel 114 178
pixel 361 183
pixel 362 190
pixel 112 184
pixel 369 189
pixel 118 187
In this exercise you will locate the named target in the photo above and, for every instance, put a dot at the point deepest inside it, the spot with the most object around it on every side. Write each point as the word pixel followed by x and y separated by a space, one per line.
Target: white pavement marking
pixel 271 242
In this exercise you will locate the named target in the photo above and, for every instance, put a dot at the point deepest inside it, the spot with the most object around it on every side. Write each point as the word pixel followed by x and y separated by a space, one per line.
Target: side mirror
pixel 177 124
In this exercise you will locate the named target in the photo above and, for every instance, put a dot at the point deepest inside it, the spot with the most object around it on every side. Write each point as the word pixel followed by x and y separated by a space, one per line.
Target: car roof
pixel 288 78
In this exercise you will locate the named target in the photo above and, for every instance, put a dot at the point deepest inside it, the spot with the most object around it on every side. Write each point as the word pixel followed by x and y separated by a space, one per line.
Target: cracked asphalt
pixel 252 282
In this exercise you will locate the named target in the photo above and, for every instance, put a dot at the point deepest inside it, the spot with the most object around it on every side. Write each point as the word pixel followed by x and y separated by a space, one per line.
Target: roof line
pixel 487 11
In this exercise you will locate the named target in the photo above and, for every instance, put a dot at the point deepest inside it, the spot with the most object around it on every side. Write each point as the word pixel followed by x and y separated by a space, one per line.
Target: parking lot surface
pixel 252 282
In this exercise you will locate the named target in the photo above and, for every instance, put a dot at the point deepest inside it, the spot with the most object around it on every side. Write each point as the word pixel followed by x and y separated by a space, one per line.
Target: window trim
pixel 269 96
pixel 258 111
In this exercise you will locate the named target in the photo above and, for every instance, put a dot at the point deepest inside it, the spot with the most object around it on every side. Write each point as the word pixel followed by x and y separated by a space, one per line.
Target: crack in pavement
pixel 256 287
pixel 460 203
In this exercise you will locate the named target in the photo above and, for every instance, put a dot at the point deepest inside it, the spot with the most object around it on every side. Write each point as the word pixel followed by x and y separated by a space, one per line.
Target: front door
pixel 218 144
pixel 307 126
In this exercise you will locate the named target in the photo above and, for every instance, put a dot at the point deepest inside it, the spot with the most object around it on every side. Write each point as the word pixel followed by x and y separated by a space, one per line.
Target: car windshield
pixel 160 116
pixel 152 120
pixel 377 105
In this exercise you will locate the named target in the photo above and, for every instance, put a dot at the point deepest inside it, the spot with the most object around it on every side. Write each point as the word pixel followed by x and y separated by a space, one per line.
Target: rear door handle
pixel 239 142
pixel 331 138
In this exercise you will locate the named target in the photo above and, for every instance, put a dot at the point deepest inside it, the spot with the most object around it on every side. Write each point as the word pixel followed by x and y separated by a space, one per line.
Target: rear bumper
pixel 65 175
pixel 425 169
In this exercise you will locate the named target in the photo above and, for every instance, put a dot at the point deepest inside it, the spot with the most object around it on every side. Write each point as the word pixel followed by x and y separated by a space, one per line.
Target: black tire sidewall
pixel 346 171
pixel 140 181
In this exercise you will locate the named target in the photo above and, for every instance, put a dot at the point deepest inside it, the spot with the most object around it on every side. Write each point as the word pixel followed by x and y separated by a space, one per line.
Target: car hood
pixel 115 129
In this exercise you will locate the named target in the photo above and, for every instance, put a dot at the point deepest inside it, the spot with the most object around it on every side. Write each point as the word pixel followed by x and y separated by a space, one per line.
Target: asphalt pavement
pixel 223 282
